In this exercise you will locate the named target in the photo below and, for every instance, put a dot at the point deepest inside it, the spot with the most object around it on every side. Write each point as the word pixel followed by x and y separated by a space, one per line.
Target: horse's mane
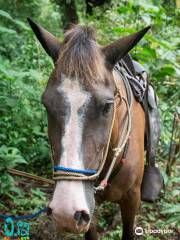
pixel 80 55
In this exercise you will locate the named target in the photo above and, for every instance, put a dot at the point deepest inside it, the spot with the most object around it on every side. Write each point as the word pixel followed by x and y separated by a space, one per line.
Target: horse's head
pixel 79 100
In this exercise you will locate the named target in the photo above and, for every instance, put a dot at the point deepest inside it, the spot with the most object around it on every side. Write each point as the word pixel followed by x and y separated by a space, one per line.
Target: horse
pixel 86 113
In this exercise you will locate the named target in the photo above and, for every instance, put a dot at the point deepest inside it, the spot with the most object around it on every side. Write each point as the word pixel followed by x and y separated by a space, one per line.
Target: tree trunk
pixel 174 145
pixel 90 4
pixel 68 12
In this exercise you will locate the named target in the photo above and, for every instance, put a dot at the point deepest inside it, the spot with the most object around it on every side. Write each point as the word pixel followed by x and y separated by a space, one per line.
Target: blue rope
pixel 30 216
pixel 86 171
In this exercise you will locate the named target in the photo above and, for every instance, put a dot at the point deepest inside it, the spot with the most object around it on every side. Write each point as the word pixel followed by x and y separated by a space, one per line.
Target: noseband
pixel 63 173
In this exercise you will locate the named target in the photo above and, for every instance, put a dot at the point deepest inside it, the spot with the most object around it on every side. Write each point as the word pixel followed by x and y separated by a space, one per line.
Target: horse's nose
pixel 82 217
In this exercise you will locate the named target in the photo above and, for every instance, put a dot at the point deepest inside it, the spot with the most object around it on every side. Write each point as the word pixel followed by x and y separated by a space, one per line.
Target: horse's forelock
pixel 80 55
pixel 79 32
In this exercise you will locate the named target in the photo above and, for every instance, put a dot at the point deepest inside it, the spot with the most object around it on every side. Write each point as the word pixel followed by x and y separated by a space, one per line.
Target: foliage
pixel 25 68
pixel 158 51
pixel 23 136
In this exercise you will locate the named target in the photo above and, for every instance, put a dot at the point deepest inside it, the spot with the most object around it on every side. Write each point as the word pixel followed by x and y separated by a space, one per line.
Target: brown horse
pixel 79 99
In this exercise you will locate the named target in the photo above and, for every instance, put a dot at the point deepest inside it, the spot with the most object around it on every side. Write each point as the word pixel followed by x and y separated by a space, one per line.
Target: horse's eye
pixel 107 107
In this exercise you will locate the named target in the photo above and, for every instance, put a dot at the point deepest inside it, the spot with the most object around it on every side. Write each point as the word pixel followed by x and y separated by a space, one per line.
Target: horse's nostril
pixel 77 216
pixel 49 211
pixel 86 217
pixel 81 216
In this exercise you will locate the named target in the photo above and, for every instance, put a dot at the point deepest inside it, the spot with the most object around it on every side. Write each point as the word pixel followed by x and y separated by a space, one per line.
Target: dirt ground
pixel 44 229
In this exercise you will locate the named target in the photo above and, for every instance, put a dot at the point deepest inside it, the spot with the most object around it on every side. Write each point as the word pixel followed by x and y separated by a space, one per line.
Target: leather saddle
pixel 152 182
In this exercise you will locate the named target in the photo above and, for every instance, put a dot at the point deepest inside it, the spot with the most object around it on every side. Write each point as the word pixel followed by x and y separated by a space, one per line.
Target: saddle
pixel 144 92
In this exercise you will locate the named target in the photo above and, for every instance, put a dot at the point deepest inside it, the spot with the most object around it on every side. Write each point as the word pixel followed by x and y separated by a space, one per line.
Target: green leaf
pixel 171 209
pixel 5 14
pixel 21 24
pixel 167 70
pixel 123 9
pixel 7 30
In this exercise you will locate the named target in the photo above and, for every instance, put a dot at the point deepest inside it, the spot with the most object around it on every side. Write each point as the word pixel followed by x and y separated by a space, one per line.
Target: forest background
pixel 24 71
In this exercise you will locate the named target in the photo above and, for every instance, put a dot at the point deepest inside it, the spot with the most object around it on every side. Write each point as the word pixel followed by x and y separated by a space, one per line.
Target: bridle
pixel 63 173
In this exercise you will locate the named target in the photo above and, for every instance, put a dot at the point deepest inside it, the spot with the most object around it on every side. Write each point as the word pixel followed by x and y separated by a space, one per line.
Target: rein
pixel 63 173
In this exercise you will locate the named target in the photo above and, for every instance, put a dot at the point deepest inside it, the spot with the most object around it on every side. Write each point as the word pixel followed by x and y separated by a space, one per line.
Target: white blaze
pixel 72 139
pixel 69 196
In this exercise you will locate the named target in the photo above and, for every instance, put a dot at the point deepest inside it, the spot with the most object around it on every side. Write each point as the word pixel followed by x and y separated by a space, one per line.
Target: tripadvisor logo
pixel 140 231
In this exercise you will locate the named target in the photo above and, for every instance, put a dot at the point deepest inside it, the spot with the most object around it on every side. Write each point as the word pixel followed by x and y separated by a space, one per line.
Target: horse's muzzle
pixel 77 223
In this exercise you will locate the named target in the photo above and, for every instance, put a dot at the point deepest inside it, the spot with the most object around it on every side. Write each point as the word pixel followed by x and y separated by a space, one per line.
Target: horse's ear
pixel 118 49
pixel 49 42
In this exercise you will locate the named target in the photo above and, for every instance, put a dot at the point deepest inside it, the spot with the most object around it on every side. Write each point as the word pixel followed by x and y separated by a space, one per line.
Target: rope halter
pixel 63 173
